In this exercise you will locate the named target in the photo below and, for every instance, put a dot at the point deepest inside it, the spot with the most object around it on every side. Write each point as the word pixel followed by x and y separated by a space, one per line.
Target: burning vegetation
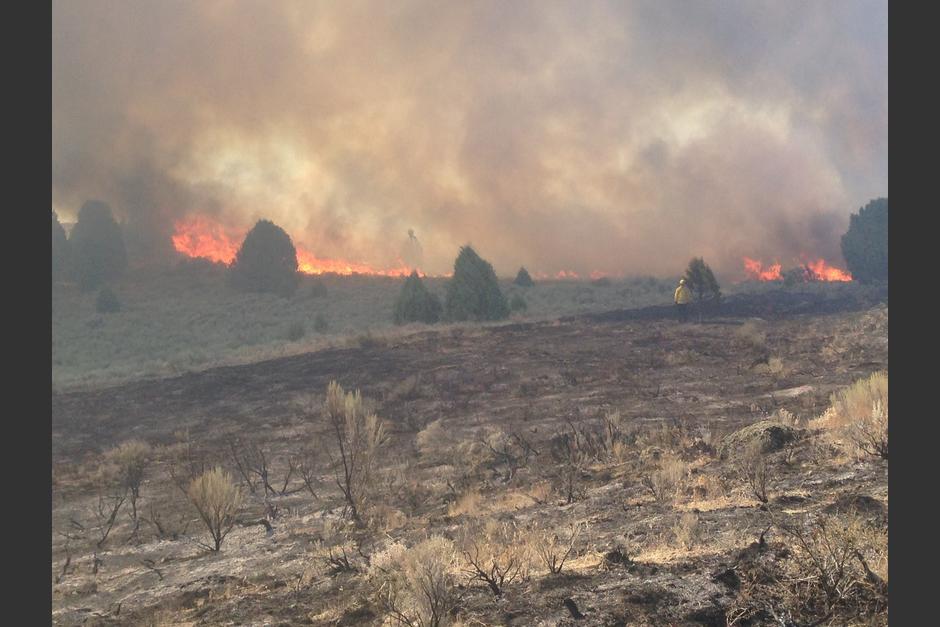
pixel 200 236
pixel 812 270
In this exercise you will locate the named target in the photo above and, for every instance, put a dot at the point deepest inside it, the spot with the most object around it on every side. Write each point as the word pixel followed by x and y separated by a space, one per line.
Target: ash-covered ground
pixel 478 421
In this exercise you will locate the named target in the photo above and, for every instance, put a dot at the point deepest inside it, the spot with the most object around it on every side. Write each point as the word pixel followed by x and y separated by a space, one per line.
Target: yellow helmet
pixel 681 281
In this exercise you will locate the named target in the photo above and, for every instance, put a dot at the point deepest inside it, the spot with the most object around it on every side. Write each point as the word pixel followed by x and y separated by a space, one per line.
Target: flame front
pixel 755 270
pixel 308 263
pixel 824 272
pixel 199 236
pixel 813 270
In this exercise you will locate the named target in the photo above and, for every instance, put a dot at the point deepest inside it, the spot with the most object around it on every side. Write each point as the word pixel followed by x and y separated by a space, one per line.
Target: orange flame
pixel 822 271
pixel 815 270
pixel 308 263
pixel 755 270
pixel 199 236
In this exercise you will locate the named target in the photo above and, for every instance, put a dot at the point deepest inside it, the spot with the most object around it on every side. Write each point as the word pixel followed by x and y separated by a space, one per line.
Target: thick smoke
pixel 597 136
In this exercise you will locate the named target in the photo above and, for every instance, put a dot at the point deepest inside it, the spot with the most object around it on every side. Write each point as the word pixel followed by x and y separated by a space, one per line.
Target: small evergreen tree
pixel 523 278
pixel 97 252
pixel 473 293
pixel 60 249
pixel 266 261
pixel 517 304
pixel 415 303
pixel 865 244
pixel 701 280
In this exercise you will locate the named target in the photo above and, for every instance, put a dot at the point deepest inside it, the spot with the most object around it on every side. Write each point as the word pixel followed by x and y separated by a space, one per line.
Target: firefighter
pixel 683 299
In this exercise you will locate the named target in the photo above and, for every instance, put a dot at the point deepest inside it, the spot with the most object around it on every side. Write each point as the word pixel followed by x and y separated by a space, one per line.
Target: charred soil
pixel 705 549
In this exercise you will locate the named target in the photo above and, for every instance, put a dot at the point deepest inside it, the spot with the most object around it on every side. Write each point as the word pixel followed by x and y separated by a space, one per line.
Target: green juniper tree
pixel 865 244
pixel 97 252
pixel 415 303
pixel 266 261
pixel 473 293
pixel 700 279
pixel 523 278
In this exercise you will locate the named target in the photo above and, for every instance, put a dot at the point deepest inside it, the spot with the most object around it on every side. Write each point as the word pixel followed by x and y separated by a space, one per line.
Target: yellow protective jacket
pixel 683 295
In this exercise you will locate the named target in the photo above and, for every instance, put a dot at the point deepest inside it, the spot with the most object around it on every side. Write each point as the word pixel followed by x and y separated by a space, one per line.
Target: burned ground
pixel 678 388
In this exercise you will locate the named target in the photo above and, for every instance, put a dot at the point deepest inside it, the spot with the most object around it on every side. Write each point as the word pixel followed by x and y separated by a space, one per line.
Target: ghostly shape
pixel 413 254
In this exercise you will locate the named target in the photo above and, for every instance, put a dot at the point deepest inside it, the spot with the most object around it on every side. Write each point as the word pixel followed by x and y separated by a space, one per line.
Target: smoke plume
pixel 616 137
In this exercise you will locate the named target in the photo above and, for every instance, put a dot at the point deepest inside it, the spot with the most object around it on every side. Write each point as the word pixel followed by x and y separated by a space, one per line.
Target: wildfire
pixel 824 272
pixel 198 236
pixel 755 270
pixel 813 270
pixel 201 237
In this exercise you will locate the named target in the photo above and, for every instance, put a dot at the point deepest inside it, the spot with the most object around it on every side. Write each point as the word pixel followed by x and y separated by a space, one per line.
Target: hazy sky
pixel 621 137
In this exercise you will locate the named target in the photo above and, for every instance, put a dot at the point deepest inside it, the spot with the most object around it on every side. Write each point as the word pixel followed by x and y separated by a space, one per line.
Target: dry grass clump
pixel 680 357
pixel 688 530
pixel 856 338
pixel 836 573
pixel 860 413
pixel 668 436
pixel 773 366
pixel 503 451
pixel 753 470
pixel 495 554
pixel 786 417
pixel 665 481
pixel 127 464
pixel 618 437
pixel 551 549
pixel 708 487
pixel 417 586
pixel 431 439
pixel 217 499
pixel 338 549
pixel 751 335
pixel 466 503
pixel 358 438
pixel 569 454
pixel 407 389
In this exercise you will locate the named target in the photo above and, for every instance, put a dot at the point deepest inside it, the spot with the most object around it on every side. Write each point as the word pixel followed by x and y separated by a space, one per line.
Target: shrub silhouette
pixel 415 303
pixel 107 301
pixel 266 261
pixel 865 244
pixel 517 304
pixel 523 278
pixel 60 249
pixel 701 280
pixel 97 252
pixel 473 293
